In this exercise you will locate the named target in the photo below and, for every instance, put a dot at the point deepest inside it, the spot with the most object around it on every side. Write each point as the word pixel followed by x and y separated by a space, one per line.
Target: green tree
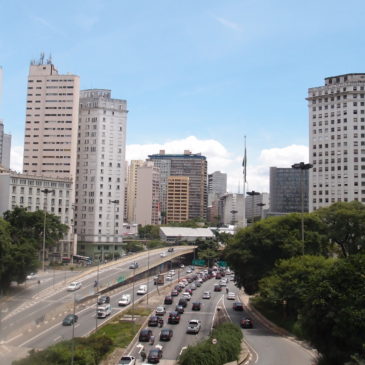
pixel 149 231
pixel 333 316
pixel 345 224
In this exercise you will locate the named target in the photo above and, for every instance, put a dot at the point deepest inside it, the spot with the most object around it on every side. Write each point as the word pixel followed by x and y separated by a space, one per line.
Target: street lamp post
pixel 134 273
pixel 148 269
pixel 252 195
pixel 45 191
pixel 302 166
pixel 115 202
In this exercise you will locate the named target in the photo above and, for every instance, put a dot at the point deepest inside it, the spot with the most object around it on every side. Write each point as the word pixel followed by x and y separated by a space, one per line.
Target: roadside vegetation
pixel 315 290
pixel 227 347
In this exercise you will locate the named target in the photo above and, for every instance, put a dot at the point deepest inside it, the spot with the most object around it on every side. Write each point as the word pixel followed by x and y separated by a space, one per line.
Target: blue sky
pixel 197 74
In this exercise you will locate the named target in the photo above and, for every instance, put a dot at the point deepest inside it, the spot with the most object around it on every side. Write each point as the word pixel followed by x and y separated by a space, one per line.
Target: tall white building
pixel 217 186
pixel 99 203
pixel 255 205
pixel 337 140
pixel 230 209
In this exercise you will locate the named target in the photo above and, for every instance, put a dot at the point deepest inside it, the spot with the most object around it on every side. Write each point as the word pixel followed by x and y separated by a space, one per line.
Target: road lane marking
pixel 183 349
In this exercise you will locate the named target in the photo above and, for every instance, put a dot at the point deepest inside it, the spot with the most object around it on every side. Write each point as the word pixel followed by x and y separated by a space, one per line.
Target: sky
pixel 199 75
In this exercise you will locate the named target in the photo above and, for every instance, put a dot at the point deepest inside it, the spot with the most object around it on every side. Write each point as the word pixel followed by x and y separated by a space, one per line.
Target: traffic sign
pixel 120 279
pixel 222 263
pixel 199 262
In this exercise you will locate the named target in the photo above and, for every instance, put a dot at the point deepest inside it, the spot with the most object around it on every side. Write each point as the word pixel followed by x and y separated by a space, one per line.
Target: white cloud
pixel 16 158
pixel 229 24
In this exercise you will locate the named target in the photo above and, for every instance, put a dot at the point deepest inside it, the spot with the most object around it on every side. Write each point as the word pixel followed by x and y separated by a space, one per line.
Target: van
pixel 124 300
pixel 142 290
pixel 104 310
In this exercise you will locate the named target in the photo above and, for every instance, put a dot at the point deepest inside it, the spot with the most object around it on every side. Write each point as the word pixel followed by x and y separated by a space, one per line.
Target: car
pixel 133 265
pixel 174 318
pixel 166 334
pixel 174 293
pixel 183 302
pixel 194 326
pixel 206 295
pixel 178 287
pixel 217 287
pixel 237 306
pixel 70 319
pixel 231 296
pixel 74 286
pixel 168 299
pixel 155 355
pixel 196 306
pixel 153 321
pixel 124 300
pixel 160 311
pixel 188 290
pixel 198 284
pixel 142 290
pixel 168 278
pixel 127 360
pixel 218 275
pixel 179 309
pixel 188 271
pixel 186 295
pixel 223 283
pixel 163 254
pixel 182 266
pixel 246 323
pixel 172 272
pixel 32 275
pixel 145 335
pixel 170 249
pixel 103 299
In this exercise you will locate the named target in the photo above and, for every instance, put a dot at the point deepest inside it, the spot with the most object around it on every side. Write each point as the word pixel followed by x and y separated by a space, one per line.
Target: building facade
pixel 230 209
pixel 99 202
pixel 190 165
pixel 177 199
pixel 132 189
pixel 148 194
pixel 337 140
pixel 5 147
pixel 255 206
pixel 287 188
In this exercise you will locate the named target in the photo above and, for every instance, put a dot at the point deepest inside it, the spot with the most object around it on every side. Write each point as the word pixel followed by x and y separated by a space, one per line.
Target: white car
pixel 186 295
pixel 231 296
pixel 172 272
pixel 160 311
pixel 188 271
pixel 223 283
pixel 168 278
pixel 74 286
pixel 194 326
pixel 127 360
pixel 124 300
pixel 206 295
pixel 32 275
pixel 163 254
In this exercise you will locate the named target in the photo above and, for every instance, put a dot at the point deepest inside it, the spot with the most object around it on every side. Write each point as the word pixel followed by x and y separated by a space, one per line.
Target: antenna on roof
pixel 41 58
pixel 49 61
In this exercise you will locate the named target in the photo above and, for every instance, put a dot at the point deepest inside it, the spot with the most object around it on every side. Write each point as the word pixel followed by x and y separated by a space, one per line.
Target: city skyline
pixel 198 80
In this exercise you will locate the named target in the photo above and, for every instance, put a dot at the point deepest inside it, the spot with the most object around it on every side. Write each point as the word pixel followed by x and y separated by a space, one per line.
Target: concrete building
pixel 254 210
pixel 50 140
pixel 191 165
pixel 286 186
pixel 177 199
pixel 230 209
pixel 217 186
pixel 147 195
pixel 337 140
pixel 26 191
pixel 5 147
pixel 179 234
pixel 99 202
pixel 132 189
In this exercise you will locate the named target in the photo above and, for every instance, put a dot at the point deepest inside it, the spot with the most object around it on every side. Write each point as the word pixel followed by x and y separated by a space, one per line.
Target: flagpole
pixel 244 165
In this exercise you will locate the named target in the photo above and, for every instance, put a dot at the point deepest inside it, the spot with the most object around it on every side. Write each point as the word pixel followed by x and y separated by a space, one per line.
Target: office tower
pixel 99 203
pixel 147 195
pixel 5 147
pixel 286 186
pixel 217 186
pixel 230 209
pixel 132 189
pixel 50 139
pixel 177 199
pixel 191 165
pixel 254 208
pixel 337 140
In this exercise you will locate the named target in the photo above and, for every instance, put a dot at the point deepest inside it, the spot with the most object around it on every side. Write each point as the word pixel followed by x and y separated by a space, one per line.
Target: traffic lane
pixel 268 347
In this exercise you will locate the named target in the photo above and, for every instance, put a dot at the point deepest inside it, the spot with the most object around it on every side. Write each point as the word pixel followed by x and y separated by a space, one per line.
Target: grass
pixel 122 333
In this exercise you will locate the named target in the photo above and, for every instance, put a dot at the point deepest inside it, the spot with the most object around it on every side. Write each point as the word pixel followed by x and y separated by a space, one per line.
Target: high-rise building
pixel 230 209
pixel 50 140
pixel 217 186
pixel 132 189
pixel 5 147
pixel 191 165
pixel 177 199
pixel 255 205
pixel 337 140
pixel 286 192
pixel 148 194
pixel 99 203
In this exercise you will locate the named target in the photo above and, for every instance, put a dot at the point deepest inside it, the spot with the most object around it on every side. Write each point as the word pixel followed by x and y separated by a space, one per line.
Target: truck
pixel 159 279
pixel 104 310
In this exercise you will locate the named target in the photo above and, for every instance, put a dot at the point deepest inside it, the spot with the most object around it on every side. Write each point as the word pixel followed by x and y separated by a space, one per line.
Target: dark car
pixel 179 309
pixel 145 335
pixel 183 302
pixel 154 355
pixel 217 287
pixel 166 334
pixel 218 276
pixel 178 288
pixel 237 306
pixel 168 299
pixel 170 249
pixel 174 318
pixel 103 299
pixel 174 293
pixel 153 321
pixel 246 323
pixel 70 319
pixel 196 306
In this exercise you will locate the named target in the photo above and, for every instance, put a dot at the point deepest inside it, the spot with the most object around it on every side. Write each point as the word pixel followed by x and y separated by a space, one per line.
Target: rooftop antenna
pixel 49 61
pixel 41 58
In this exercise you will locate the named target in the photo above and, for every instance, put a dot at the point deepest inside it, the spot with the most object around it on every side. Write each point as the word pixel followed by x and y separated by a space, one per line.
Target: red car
pixel 246 323
pixel 174 293
pixel 174 318
pixel 237 306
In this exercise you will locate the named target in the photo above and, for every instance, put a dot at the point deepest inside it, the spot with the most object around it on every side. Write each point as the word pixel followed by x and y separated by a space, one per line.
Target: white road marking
pixel 182 349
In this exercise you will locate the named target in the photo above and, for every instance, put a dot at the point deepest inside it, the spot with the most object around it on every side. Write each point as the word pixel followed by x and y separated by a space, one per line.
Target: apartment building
pixel 337 140
pixel 5 147
pixel 177 199
pixel 132 189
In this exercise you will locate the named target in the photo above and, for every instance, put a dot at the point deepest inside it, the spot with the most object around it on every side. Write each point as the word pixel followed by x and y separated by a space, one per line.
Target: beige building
pixel 147 195
pixel 50 139
pixel 132 189
pixel 177 199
